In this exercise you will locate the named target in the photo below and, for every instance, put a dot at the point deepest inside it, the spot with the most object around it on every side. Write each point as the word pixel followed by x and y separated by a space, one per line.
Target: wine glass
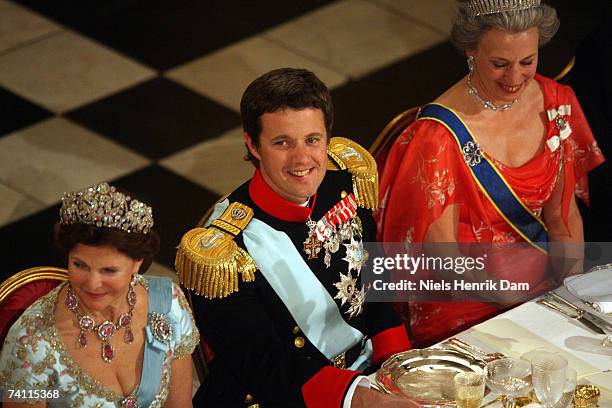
pixel 548 374
pixel 509 377
pixel 607 341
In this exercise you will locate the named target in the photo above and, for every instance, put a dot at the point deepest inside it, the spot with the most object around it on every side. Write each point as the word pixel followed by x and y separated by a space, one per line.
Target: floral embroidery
pixel 408 239
pixel 478 231
pixel 407 136
pixel 584 155
pixel 162 390
pixel 505 236
pixel 487 232
pixel 437 189
pixel 442 183
pixel 434 158
pixel 188 343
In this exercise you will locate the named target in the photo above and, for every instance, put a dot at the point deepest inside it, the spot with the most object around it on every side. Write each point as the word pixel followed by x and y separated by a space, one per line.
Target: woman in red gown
pixel 528 129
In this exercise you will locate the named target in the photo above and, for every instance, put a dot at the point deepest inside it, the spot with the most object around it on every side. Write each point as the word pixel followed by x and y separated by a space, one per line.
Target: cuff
pixel 389 342
pixel 360 381
pixel 328 387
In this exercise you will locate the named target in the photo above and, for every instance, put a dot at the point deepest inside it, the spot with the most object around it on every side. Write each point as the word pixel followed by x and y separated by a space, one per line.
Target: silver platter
pixel 425 376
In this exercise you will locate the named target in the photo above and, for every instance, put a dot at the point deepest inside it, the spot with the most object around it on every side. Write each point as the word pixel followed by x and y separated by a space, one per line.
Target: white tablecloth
pixel 531 326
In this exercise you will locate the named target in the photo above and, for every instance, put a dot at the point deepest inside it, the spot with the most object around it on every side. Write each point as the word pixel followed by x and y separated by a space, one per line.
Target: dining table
pixel 533 326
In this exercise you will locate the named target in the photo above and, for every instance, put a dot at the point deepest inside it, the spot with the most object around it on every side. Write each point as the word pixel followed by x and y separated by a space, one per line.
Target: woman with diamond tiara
pixel 109 337
pixel 498 157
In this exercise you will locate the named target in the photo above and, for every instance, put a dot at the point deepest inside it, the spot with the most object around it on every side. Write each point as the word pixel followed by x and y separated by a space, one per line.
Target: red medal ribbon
pixel 340 213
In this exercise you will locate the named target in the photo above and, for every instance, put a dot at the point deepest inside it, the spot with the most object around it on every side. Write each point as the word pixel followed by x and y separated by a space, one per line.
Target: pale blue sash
pixel 160 301
pixel 310 304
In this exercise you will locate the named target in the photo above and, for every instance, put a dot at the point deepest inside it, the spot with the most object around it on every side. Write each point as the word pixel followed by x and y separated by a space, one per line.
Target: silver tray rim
pixel 426 353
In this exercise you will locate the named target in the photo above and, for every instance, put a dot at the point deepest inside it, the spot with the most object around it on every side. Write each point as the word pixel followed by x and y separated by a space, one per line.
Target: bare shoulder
pixel 453 97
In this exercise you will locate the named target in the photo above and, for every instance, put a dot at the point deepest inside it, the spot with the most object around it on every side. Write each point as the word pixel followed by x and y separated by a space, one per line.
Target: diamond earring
pixel 471 63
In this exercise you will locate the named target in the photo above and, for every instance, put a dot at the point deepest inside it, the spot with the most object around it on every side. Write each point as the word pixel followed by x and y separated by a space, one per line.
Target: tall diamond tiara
pixel 483 7
pixel 103 206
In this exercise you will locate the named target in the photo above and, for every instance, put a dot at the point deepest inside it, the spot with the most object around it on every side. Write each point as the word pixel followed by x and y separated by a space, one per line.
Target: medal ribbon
pixel 340 213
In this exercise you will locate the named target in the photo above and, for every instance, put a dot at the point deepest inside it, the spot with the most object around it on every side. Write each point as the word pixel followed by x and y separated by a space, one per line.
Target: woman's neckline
pixel 102 390
pixel 498 163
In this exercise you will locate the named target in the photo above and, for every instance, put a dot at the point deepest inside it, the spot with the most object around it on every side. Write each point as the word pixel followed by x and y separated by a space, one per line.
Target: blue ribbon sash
pixel 489 179
pixel 160 301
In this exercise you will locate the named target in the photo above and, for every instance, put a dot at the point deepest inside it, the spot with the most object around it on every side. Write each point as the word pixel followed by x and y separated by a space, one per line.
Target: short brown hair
pixel 283 88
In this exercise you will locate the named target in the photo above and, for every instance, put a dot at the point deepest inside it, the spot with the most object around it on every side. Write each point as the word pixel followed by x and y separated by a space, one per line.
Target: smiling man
pixel 276 270
pixel 293 145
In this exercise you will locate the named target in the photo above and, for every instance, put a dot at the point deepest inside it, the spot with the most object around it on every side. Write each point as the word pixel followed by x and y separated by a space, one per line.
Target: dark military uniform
pixel 260 353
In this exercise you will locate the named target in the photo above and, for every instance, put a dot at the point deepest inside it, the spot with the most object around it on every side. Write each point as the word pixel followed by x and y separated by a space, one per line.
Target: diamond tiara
pixel 483 7
pixel 103 206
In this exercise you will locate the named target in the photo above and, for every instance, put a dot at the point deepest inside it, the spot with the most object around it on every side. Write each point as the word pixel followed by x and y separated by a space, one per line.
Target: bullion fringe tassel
pixel 345 154
pixel 208 260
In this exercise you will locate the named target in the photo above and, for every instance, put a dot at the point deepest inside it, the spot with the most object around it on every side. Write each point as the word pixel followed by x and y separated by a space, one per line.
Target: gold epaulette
pixel 344 154
pixel 208 260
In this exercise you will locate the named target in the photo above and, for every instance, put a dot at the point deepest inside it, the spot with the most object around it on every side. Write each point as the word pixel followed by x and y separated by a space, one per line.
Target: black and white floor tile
pixel 145 94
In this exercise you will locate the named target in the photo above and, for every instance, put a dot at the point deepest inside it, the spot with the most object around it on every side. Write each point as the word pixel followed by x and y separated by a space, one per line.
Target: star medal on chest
pixel 348 292
pixel 356 255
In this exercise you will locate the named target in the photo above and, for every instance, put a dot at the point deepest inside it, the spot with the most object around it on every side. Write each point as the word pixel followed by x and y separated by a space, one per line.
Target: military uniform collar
pixel 275 205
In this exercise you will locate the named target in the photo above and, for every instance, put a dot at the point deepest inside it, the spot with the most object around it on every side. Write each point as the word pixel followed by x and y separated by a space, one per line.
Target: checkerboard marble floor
pixel 145 94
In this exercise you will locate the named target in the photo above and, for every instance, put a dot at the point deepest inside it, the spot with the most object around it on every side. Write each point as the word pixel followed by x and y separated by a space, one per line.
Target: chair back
pixel 382 144
pixel 19 291
pixel 566 72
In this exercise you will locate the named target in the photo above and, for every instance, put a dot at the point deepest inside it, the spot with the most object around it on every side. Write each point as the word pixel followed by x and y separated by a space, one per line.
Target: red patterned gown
pixel 425 172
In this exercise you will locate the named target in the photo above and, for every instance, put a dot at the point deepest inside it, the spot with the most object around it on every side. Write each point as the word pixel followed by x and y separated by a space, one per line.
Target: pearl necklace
pixel 105 330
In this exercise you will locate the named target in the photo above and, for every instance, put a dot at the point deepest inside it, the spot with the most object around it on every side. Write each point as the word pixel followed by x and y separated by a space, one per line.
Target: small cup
pixel 548 375
pixel 469 389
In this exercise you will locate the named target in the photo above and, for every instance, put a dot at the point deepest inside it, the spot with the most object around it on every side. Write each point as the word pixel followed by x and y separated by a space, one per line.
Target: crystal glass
pixel 567 398
pixel 548 372
pixel 607 341
pixel 469 389
pixel 509 377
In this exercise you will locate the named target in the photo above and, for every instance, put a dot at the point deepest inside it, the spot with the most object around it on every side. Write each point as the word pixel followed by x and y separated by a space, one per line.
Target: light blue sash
pixel 160 301
pixel 491 181
pixel 312 307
